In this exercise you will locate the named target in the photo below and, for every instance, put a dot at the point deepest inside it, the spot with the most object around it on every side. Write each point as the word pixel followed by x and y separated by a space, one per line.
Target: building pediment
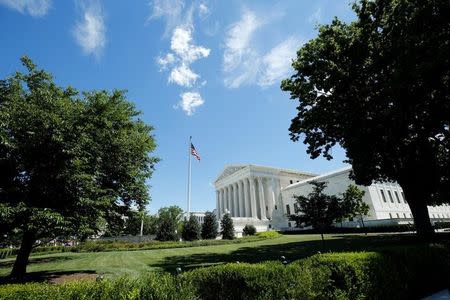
pixel 228 171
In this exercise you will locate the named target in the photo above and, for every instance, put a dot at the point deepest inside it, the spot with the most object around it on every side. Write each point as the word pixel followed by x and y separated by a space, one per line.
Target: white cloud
pixel 165 61
pixel 35 8
pixel 181 45
pixel 90 30
pixel 183 76
pixel 277 63
pixel 183 55
pixel 190 101
pixel 183 51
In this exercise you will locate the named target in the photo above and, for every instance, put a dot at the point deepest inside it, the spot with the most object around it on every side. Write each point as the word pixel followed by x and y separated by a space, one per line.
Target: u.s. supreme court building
pixel 264 196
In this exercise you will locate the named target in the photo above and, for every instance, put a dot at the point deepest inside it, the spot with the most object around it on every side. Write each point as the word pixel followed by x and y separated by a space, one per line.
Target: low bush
pixel 249 230
pixel 101 246
pixel 401 273
pixel 268 234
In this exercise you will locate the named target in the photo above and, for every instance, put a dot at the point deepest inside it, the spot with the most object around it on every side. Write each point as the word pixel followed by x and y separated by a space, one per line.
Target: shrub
pixel 249 230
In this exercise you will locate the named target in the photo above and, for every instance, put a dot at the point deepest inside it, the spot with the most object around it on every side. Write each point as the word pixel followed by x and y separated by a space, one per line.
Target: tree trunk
pixel 417 203
pixel 20 265
pixel 364 227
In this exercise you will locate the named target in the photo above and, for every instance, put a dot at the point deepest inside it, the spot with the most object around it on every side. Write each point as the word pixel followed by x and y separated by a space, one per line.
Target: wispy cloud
pixel 316 16
pixel 244 63
pixel 171 11
pixel 277 63
pixel 190 101
pixel 90 29
pixel 35 8
pixel 237 41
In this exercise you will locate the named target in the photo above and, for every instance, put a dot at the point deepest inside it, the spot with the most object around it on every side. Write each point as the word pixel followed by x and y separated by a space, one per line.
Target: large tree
pixel 66 159
pixel 380 88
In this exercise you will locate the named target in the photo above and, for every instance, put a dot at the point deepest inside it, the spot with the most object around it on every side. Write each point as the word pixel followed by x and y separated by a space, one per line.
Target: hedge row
pixel 101 246
pixel 406 273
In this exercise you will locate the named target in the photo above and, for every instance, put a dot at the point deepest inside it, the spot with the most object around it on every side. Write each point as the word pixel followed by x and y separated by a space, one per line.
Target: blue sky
pixel 210 69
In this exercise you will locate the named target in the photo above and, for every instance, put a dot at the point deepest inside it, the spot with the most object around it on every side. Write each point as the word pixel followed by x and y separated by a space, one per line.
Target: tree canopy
pixel 321 210
pixel 67 158
pixel 191 229
pixel 380 88
pixel 169 223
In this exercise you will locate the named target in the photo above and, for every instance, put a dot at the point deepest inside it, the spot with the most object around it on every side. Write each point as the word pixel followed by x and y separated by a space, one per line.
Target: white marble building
pixel 263 196
pixel 251 194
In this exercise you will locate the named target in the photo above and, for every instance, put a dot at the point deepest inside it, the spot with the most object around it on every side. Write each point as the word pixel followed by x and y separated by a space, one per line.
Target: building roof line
pixel 317 178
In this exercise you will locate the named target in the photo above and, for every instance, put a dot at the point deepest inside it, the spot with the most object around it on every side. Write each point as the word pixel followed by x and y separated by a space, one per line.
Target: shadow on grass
pixel 37 260
pixel 46 276
pixel 292 251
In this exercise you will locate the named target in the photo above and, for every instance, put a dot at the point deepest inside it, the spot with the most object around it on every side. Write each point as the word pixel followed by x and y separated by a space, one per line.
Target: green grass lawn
pixel 116 263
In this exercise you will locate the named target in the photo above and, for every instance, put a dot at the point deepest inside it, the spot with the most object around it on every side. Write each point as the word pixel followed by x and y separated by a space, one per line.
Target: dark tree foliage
pixel 210 227
pixel 227 227
pixel 67 159
pixel 249 230
pixel 191 229
pixel 380 88
pixel 168 223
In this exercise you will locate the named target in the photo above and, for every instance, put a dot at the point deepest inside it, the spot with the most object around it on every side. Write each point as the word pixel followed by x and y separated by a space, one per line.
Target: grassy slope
pixel 135 262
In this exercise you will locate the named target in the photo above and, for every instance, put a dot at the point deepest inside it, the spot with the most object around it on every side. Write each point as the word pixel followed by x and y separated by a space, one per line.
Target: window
pixel 405 215
pixel 291 182
pixel 397 197
pixel 295 207
pixel 383 196
pixel 404 198
pixel 267 208
pixel 289 224
pixel 390 196
pixel 398 216
pixel 390 215
pixel 276 207
pixel 288 209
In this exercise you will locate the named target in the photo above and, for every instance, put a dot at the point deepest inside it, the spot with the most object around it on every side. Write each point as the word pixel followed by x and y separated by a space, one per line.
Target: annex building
pixel 263 196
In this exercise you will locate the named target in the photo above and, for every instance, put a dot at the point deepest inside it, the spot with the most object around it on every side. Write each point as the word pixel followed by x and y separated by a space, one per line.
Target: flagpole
pixel 189 180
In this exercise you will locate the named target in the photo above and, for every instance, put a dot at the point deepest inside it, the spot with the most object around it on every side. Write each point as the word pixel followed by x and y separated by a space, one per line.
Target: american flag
pixel 194 152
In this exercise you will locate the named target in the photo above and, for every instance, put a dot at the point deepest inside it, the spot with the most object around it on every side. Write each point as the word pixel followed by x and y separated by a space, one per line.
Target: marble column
pixel 218 204
pixel 253 197
pixel 222 202
pixel 236 200
pixel 230 200
pixel 241 199
pixel 262 201
pixel 247 198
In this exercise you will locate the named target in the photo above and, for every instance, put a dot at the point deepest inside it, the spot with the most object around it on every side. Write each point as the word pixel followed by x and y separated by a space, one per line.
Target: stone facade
pixel 263 196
